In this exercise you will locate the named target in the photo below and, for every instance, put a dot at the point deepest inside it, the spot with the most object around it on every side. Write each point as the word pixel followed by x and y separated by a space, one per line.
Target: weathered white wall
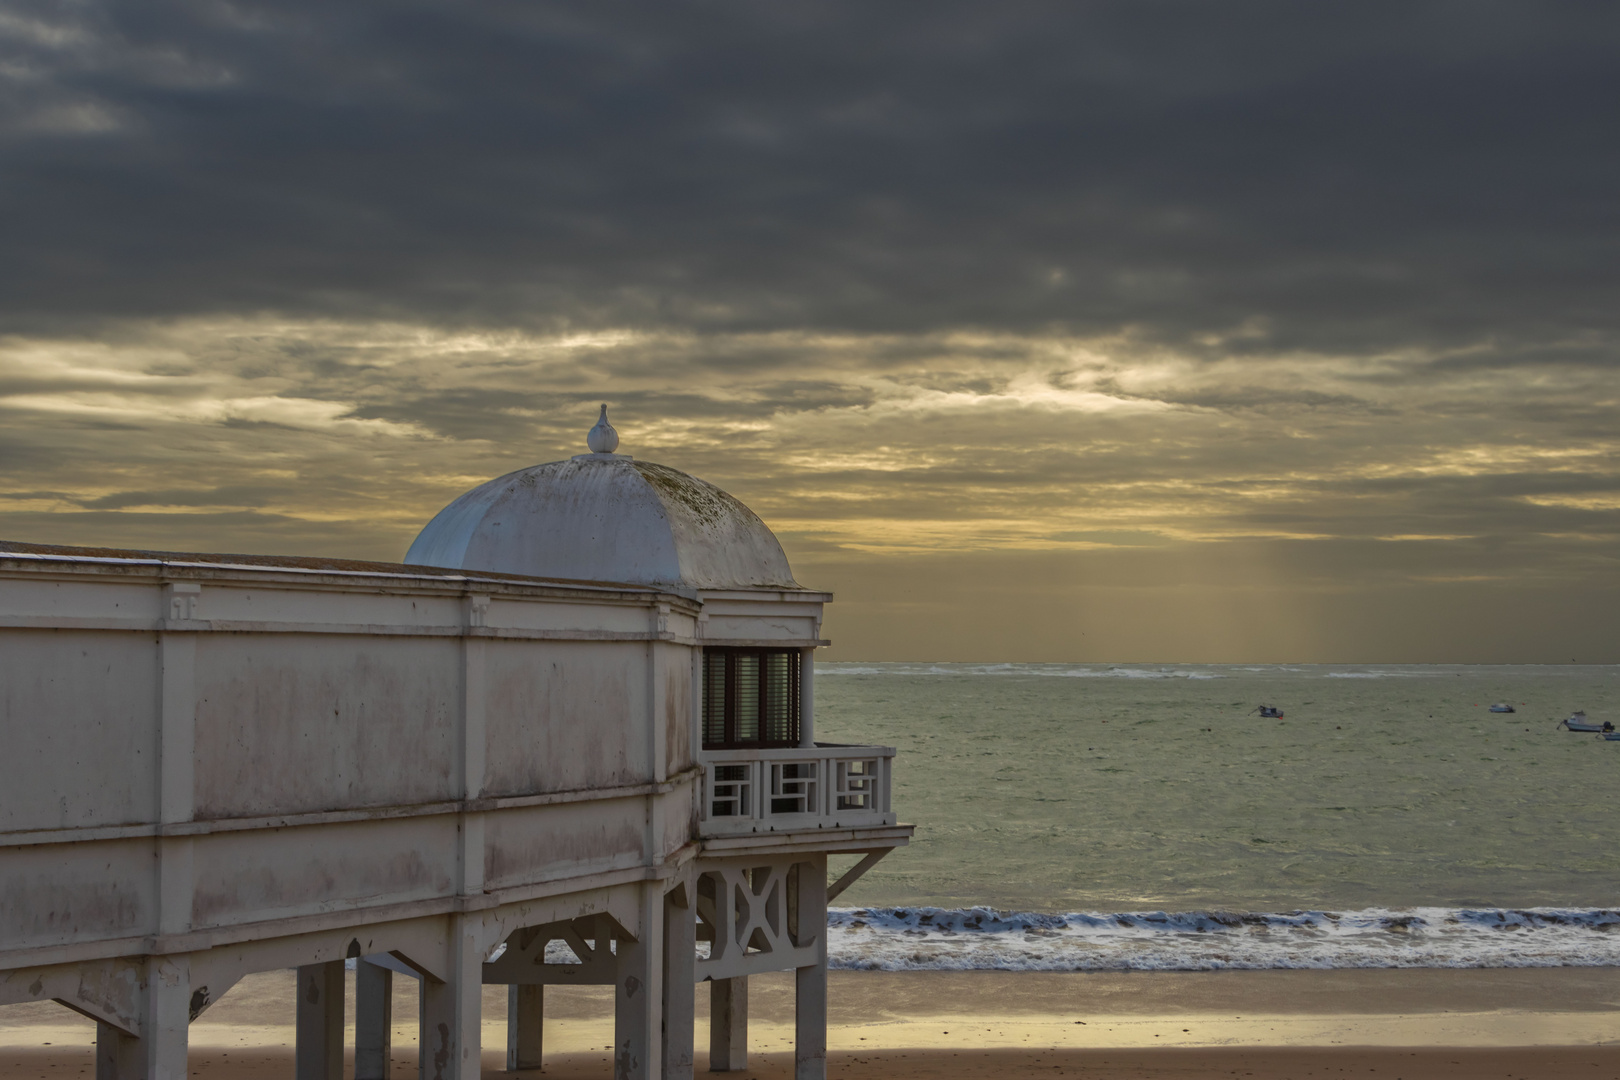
pixel 191 748
pixel 572 715
pixel 295 723
pixel 210 769
pixel 80 728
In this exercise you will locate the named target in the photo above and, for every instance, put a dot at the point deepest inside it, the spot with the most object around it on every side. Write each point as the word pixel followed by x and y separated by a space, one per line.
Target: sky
pixel 1114 332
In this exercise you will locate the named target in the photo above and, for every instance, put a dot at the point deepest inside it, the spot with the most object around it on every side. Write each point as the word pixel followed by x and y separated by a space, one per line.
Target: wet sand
pixel 1404 1024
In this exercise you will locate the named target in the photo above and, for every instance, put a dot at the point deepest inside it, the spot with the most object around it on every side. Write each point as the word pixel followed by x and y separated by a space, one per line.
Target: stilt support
pixel 320 1021
pixel 810 983
pixel 450 1037
pixel 525 1026
pixel 639 992
pixel 373 1021
pixel 160 1054
pixel 680 956
pixel 728 1024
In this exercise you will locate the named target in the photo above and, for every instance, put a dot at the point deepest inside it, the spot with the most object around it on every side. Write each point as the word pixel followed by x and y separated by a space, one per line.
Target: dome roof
pixel 606 517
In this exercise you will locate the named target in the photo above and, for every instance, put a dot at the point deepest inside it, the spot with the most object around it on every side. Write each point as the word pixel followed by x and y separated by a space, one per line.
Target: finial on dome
pixel 602 438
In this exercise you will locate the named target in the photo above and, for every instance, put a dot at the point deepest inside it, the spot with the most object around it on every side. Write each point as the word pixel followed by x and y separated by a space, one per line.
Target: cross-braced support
pixel 757 917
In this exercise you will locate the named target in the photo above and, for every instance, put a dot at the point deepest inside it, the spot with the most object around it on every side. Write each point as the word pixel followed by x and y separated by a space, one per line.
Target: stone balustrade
pixel 826 786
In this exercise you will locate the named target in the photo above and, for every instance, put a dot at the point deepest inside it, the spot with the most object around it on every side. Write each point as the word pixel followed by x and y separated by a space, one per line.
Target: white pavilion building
pixel 579 712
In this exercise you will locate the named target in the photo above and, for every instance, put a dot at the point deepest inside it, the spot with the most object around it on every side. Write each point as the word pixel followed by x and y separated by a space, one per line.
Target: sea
pixel 1086 817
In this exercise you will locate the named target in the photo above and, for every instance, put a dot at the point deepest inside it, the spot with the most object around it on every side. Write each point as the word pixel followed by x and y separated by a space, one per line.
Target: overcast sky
pixel 1091 331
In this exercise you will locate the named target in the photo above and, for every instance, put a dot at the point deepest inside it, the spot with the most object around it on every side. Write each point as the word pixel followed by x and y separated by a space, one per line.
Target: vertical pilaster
pixel 373 1021
pixel 474 686
pixel 473 744
pixel 807 698
pixel 810 982
pixel 728 1024
pixel 658 705
pixel 680 960
pixel 657 756
pixel 695 730
pixel 450 1037
pixel 525 1026
pixel 638 993
pixel 177 748
pixel 320 1021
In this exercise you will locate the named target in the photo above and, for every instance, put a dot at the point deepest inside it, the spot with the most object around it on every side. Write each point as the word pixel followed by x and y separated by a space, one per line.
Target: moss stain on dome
pixel 707 503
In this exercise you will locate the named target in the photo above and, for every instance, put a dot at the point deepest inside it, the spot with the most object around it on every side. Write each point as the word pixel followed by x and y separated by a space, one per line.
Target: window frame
pixel 729 698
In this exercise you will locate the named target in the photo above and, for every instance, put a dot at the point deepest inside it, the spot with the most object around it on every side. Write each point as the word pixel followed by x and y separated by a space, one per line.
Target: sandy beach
pixel 1543 1023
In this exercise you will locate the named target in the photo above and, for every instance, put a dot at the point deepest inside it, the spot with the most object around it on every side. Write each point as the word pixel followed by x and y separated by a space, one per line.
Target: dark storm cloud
pixel 1060 328
pixel 1352 176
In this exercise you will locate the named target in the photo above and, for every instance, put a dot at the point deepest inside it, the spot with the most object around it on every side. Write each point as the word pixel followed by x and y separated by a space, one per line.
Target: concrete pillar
pixel 638 994
pixel 118 1056
pixel 373 1021
pixel 680 960
pixel 810 983
pixel 449 1045
pixel 320 1021
pixel 525 1026
pixel 728 1024
pixel 160 1054
pixel 807 698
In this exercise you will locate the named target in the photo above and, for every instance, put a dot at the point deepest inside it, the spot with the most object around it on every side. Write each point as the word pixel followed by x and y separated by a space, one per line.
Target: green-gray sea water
pixel 1060 788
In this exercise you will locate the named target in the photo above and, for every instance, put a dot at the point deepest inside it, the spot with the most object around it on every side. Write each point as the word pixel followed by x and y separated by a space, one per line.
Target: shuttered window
pixel 750 697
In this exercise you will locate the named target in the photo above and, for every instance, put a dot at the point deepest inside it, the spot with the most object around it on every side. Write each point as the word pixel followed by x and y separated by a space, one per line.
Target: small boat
pixel 1270 712
pixel 1612 736
pixel 1502 706
pixel 1577 721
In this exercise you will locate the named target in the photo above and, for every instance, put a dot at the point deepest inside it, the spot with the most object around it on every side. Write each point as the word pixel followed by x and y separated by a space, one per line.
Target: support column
pixel 639 993
pixel 810 983
pixel 373 1021
pixel 728 1024
pixel 450 1038
pixel 165 1013
pixel 680 960
pixel 118 1055
pixel 525 1025
pixel 320 1021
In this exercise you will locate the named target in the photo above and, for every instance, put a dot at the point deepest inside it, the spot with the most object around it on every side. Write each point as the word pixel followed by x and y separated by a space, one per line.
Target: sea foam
pixel 938 939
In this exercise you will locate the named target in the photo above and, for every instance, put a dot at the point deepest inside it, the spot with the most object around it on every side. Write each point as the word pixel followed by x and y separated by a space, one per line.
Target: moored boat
pixel 1270 712
pixel 1503 707
pixel 1577 721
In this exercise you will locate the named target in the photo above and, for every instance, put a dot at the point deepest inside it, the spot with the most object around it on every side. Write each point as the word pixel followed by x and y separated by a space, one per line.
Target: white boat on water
pixel 1503 707
pixel 1270 712
pixel 1577 721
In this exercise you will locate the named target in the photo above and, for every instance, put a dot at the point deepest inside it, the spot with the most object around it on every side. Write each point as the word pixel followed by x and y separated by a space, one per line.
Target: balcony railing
pixel 825 786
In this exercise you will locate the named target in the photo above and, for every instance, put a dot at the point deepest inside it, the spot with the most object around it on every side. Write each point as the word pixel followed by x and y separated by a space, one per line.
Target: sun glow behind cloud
pixel 906 446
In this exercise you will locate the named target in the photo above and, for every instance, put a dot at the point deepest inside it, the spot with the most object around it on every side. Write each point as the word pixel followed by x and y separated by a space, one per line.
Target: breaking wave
pixel 937 939
pixel 1060 671
pixel 1214 671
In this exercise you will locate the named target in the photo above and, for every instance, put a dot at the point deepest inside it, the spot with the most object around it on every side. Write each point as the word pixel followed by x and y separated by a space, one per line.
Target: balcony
pixel 826 786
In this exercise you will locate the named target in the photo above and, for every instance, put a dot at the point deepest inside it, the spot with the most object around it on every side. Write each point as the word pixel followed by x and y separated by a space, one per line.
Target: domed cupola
pixel 604 516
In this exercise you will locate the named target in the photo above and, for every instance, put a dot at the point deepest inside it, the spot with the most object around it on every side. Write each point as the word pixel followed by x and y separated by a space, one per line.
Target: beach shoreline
pixel 1419 1023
